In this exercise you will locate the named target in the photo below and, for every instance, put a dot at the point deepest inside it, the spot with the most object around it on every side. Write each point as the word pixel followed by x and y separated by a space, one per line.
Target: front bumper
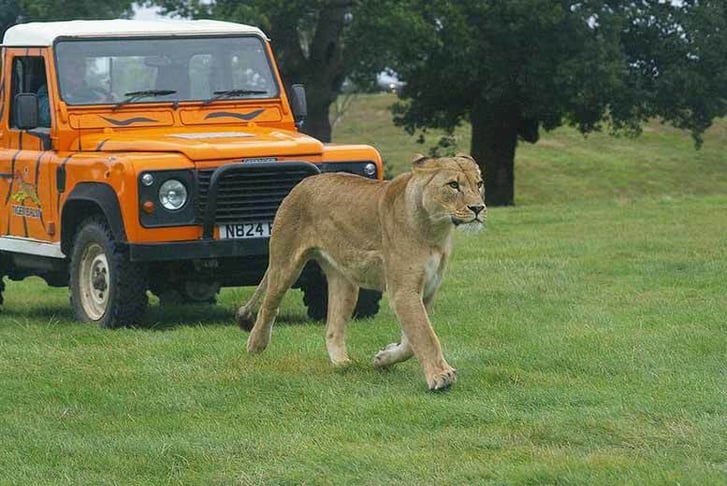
pixel 197 250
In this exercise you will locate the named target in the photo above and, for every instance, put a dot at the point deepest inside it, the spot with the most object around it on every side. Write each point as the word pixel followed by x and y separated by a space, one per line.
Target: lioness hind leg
pixel 393 353
pixel 279 277
pixel 245 315
pixel 342 297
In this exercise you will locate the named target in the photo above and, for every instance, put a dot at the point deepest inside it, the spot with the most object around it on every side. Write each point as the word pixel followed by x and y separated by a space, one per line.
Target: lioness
pixel 392 235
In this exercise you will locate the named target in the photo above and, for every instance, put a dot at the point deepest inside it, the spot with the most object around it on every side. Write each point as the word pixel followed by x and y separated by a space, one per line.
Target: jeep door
pixel 24 182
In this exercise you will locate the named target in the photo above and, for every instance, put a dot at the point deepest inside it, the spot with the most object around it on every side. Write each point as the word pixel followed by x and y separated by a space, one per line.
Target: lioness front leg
pixel 397 352
pixel 415 323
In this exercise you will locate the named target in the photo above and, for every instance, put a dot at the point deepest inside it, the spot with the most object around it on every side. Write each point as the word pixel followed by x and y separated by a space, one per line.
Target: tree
pixel 9 13
pixel 14 11
pixel 52 10
pixel 512 68
pixel 312 41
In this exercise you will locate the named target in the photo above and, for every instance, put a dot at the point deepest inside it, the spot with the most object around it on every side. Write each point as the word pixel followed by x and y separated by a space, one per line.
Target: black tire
pixel 106 288
pixel 368 304
pixel 4 268
pixel 315 298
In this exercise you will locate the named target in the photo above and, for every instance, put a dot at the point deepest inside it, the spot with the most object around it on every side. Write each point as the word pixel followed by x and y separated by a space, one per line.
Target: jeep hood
pixel 207 145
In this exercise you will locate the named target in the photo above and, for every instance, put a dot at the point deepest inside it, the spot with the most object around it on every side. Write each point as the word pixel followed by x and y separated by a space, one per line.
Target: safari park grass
pixel 588 325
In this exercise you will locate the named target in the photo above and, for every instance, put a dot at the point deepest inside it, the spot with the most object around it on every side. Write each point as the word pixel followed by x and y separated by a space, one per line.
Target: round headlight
pixel 172 194
pixel 147 179
pixel 370 169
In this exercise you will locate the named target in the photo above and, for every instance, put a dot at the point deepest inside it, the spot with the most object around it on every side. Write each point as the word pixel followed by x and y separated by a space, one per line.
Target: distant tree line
pixel 509 68
pixel 15 11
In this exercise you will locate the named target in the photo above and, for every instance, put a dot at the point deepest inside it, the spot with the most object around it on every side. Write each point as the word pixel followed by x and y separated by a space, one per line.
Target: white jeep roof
pixel 44 33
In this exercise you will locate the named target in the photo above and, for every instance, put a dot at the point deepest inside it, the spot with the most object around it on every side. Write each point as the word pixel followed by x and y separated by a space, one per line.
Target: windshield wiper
pixel 227 93
pixel 135 95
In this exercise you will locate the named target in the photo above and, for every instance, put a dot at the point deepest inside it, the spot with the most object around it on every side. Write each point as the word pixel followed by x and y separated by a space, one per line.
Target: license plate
pixel 245 230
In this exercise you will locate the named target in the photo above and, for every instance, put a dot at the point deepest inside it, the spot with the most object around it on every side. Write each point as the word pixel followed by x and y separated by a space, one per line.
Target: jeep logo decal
pixel 26 192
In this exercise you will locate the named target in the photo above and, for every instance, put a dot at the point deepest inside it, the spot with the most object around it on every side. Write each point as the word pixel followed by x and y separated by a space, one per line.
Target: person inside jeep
pixel 43 106
pixel 74 87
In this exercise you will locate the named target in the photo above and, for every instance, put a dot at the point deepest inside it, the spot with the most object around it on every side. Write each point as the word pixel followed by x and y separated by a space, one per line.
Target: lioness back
pixel 333 205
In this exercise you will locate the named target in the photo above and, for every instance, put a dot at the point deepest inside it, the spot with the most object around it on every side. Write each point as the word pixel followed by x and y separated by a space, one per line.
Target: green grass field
pixel 588 325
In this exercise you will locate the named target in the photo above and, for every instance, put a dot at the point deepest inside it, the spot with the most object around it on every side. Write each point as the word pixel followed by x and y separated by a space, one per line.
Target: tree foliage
pixel 9 13
pixel 15 11
pixel 511 68
pixel 49 10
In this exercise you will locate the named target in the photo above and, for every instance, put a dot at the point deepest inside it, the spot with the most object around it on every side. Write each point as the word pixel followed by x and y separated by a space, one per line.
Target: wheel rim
pixel 201 291
pixel 94 281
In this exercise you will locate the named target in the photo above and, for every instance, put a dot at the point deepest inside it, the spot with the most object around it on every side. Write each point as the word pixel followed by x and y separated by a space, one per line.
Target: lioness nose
pixel 477 209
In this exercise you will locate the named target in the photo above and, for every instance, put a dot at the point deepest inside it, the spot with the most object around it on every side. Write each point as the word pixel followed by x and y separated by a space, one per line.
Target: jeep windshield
pixel 129 71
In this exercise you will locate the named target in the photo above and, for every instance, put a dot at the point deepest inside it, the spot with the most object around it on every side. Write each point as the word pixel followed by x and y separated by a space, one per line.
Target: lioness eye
pixel 480 184
pixel 454 185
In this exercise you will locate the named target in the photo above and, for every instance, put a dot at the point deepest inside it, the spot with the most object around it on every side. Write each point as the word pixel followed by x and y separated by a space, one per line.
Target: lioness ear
pixel 465 156
pixel 419 160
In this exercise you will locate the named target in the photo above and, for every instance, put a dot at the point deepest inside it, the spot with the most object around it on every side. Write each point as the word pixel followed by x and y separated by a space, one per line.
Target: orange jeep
pixel 151 156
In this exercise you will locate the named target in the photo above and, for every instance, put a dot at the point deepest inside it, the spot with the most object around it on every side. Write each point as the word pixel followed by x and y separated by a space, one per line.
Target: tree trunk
pixel 494 138
pixel 317 124
pixel 319 67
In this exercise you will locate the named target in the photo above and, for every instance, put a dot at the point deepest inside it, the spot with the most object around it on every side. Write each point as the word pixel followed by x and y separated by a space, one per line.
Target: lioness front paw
pixel 443 379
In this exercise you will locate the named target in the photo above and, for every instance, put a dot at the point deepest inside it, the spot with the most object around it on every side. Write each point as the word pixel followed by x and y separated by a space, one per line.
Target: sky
pixel 146 13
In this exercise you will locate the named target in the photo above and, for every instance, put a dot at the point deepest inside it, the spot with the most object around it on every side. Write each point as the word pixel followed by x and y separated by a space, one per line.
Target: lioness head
pixel 451 189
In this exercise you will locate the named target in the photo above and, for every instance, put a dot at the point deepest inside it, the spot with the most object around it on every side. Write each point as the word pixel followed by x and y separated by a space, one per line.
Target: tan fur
pixel 391 235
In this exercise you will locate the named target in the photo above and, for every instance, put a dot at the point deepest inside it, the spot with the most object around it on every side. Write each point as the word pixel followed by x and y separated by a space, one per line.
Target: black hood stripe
pixel 240 116
pixel 129 121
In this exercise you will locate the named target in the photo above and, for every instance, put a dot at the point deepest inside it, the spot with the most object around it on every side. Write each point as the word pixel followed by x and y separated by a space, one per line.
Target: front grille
pixel 247 193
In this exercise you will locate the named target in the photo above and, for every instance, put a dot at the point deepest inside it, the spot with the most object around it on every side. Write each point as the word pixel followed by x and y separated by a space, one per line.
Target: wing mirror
pixel 26 111
pixel 298 104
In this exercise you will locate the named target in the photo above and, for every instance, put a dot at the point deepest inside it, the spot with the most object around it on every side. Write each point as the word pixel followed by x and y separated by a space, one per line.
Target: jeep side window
pixel 29 76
